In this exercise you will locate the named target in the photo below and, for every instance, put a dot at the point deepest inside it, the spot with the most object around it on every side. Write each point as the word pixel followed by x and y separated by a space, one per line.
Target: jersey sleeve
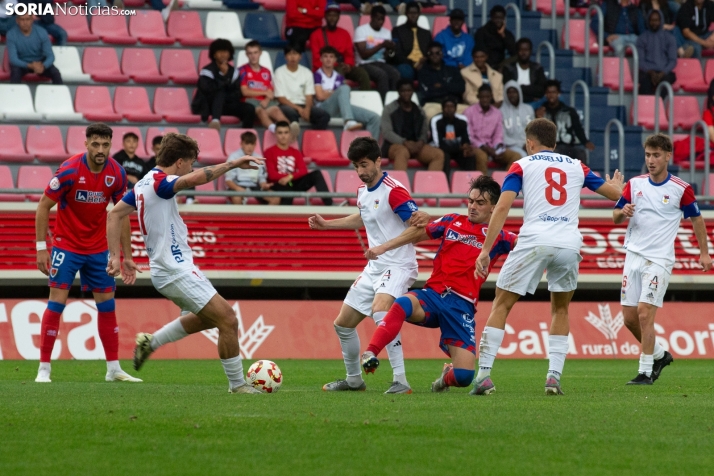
pixel 592 181
pixel 626 196
pixel 688 203
pixel 402 203
pixel 504 245
pixel 437 228
pixel 164 185
pixel 514 179
pixel 61 182
pixel 130 198
pixel 120 188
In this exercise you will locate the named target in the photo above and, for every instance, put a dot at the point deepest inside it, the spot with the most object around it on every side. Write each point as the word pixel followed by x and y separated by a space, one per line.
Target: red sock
pixel 109 334
pixel 450 379
pixel 48 333
pixel 387 329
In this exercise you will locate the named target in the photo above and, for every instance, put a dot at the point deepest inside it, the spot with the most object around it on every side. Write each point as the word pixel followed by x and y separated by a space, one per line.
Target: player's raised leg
pixel 346 330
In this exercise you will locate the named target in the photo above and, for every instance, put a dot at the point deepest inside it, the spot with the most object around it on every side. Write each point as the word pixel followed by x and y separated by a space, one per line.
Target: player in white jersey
pixel 172 270
pixel 654 204
pixel 549 240
pixel 385 209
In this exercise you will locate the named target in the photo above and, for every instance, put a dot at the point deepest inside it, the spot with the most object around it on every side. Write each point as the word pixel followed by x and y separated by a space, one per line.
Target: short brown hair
pixel 659 141
pixel 98 129
pixel 542 130
pixel 248 137
pixel 176 146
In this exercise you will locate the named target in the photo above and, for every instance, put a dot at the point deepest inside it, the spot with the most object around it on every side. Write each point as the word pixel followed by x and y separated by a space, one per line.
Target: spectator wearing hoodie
pixel 516 115
pixel 529 75
pixel 657 51
pixel 457 43
pixel 623 22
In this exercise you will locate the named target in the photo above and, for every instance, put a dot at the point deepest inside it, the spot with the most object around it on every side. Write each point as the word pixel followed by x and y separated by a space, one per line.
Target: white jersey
pixel 551 185
pixel 384 209
pixel 658 211
pixel 165 234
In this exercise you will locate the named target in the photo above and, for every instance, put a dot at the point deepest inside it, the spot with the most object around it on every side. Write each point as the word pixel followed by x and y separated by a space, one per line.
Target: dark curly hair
pixel 486 184
pixel 221 45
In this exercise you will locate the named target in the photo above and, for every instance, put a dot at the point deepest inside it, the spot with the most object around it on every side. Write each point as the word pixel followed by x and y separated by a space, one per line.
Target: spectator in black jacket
pixel 450 133
pixel 528 74
pixel 218 93
pixel 437 81
pixel 495 39
pixel 134 167
pixel 410 43
pixel 571 136
pixel 623 22
pixel 692 31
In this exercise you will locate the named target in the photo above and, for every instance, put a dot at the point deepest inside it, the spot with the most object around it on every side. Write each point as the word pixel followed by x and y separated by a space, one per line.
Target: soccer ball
pixel 265 375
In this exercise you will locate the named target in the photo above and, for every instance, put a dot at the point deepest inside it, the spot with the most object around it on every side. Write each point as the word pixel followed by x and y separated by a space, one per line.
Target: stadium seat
pixel 645 109
pixel 269 141
pixel 587 200
pixel 392 96
pixel 232 141
pixel 686 111
pixel 460 184
pixel 577 38
pixel 16 103
pixel 186 27
pixel 34 176
pixel 76 27
pixel 7 182
pixel 76 135
pixel 709 192
pixel 210 144
pixel 441 23
pixel 172 104
pixel 68 62
pixel 242 59
pixel 133 104
pixel 611 73
pixel 709 71
pixel 689 76
pixel 95 103
pixel 431 181
pixel 140 65
pixel 499 176
pixel 316 200
pixel 422 22
pixel 347 181
pixel 241 4
pixel 346 139
pixel 112 29
pixel 263 26
pixel 54 102
pixel 13 148
pixel 402 177
pixel 226 25
pixel 178 65
pixel 546 6
pixel 118 139
pixel 274 5
pixel 205 4
pixel 321 147
pixel 370 100
pixel 103 65
pixel 148 27
pixel 46 143
pixel 433 9
pixel 154 131
pixel 363 19
pixel 209 187
pixel 280 60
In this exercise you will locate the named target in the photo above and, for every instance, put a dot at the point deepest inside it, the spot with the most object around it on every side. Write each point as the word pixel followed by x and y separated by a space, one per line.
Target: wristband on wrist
pixel 41 245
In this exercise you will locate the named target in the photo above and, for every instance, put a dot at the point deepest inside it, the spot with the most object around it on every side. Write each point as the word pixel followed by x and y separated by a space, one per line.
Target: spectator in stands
pixel 450 133
pixel 241 180
pixel 155 146
pixel 457 43
pixel 516 115
pixel 302 17
pixel 657 52
pixel 529 75
pixel 286 168
pixel 692 31
pixel 708 115
pixel 134 167
pixel 340 40
pixel 405 132
pixel 623 23
pixel 486 130
pixel 333 96
pixel 218 92
pixel 410 43
pixel 30 51
pixel 6 21
pixel 495 39
pixel 571 135
pixel 256 86
pixel 295 91
pixel 47 21
pixel 372 42
pixel 437 81
pixel 668 9
pixel 479 73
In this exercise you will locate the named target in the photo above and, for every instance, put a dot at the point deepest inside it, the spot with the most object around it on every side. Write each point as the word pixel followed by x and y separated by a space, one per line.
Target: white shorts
pixel 190 291
pixel 376 279
pixel 643 281
pixel 524 268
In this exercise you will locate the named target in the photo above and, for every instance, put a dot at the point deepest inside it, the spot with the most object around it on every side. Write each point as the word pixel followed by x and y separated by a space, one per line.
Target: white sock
pixel 394 351
pixel 271 128
pixel 233 368
pixel 491 339
pixel 45 366
pixel 658 351
pixel 113 365
pixel 171 332
pixel 557 348
pixel 349 341
pixel 646 362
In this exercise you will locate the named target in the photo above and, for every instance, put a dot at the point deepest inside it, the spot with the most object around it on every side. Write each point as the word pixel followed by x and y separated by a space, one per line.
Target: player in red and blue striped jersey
pixel 82 186
pixel 448 300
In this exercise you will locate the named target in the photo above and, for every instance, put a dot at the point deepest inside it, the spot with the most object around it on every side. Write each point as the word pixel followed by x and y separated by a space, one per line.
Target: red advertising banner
pixel 303 330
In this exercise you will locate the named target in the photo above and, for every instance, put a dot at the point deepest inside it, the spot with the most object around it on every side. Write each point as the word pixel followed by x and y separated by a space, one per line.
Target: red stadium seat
pixel 76 27
pixel 689 76
pixel 46 143
pixel 269 141
pixel 76 136
pixel 103 65
pixel 686 111
pixel 210 144
pixel 316 200
pixel 709 192
pixel 366 18
pixel 611 73
pixel 321 147
pixel 187 29
pixel 441 23
pixel 347 181
pixel 118 139
pixel 133 104
pixel 431 181
pixel 232 141
pixel 273 5
pixel 34 176
pixel 140 64
pixel 347 138
pixel 434 10
pixel 209 187
pixel 460 184
pixel 148 27
pixel 7 182
pixel 179 65
pixel 112 29
pixel 546 6
pixel 645 109
pixel 402 177
pixel 172 104
pixel 587 202
pixel 499 176
pixel 13 149
pixel 577 38
pixel 709 71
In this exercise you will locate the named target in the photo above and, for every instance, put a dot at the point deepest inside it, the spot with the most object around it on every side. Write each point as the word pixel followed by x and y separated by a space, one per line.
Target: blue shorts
pixel 452 314
pixel 92 271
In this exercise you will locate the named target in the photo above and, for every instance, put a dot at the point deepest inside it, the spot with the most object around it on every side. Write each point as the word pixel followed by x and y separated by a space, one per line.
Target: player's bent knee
pixel 406 304
pixel 464 377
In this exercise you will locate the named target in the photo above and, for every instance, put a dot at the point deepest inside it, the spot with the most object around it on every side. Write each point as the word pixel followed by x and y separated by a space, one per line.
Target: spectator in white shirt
pixel 241 180
pixel 372 41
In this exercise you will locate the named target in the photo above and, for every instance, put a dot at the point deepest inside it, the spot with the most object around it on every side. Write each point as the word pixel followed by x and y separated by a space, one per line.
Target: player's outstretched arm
pixel 413 234
pixel 42 222
pixel 612 188
pixel 495 225
pixel 700 231
pixel 351 222
pixel 115 226
pixel 212 172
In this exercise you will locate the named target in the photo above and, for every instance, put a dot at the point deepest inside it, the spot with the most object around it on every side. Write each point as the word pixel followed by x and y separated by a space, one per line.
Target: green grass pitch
pixel 181 420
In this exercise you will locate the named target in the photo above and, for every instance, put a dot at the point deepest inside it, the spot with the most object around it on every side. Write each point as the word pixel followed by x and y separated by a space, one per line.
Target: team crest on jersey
pixel 89 197
pixel 54 183
pixel 53 272
pixel 376 204
pixel 665 199
pixel 265 75
pixel 108 180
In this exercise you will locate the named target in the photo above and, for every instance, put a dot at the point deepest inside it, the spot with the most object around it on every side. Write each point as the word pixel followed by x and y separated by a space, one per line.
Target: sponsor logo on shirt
pixel 545 217
pixel 470 240
pixel 86 196
pixel 175 248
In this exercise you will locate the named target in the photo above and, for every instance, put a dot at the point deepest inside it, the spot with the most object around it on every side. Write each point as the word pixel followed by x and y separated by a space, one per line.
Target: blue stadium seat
pixel 280 60
pixel 263 26
pixel 241 4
